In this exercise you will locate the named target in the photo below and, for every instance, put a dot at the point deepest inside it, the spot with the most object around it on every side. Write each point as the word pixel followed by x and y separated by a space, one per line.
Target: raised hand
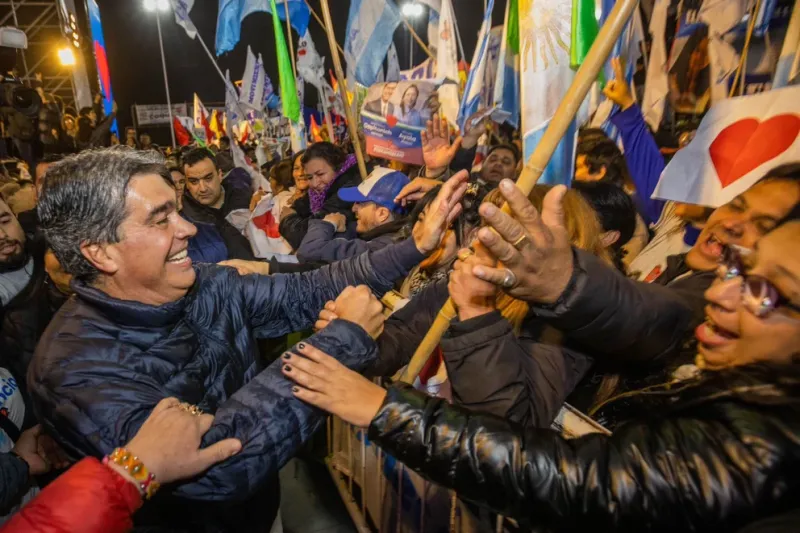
pixel 324 382
pixel 437 152
pixel 618 90
pixel 429 232
pixel 414 191
pixel 168 443
pixel 534 249
pixel 359 306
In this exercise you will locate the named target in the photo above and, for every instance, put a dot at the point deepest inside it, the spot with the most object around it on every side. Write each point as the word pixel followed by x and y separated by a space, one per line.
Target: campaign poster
pixel 394 115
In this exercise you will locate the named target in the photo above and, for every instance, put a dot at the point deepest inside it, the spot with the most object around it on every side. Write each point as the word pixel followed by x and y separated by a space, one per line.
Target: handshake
pixel 357 305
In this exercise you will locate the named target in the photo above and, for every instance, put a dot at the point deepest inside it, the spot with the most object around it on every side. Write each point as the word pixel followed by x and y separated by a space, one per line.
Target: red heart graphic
pixel 748 143
pixel 391 120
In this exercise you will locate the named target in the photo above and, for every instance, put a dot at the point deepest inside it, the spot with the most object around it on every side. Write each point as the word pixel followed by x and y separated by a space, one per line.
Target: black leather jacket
pixel 715 454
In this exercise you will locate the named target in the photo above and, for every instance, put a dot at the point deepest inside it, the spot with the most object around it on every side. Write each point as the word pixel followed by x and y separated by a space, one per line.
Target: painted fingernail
pixel 287 355
pixel 507 185
pixel 301 345
pixel 287 368
pixel 295 389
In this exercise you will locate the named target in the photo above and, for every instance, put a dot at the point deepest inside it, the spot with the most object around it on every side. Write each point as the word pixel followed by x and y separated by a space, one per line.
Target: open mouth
pixel 8 249
pixel 179 257
pixel 713 247
pixel 712 335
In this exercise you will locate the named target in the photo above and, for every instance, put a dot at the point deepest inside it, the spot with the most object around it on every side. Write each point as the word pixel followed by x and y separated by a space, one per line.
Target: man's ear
pixel 609 238
pixel 101 256
pixel 383 214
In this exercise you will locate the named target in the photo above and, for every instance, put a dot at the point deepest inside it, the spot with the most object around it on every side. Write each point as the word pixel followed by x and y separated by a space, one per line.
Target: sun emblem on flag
pixel 544 33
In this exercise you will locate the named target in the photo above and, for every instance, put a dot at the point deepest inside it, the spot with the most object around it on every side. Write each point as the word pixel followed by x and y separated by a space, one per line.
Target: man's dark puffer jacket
pixel 322 244
pixel 718 453
pixel 103 364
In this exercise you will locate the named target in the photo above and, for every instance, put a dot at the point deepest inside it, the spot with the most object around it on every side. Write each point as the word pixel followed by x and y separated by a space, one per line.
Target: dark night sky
pixel 135 62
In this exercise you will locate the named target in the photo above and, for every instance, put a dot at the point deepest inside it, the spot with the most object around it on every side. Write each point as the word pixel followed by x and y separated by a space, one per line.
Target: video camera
pixel 19 105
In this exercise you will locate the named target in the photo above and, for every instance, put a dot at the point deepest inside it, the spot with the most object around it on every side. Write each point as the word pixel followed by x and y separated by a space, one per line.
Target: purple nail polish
pixel 287 355
pixel 287 368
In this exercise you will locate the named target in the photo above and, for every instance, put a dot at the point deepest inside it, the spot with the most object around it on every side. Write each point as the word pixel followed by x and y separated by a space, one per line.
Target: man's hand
pixel 326 316
pixel 473 133
pixel 414 191
pixel 168 443
pixel 618 90
pixel 429 232
pixel 534 249
pixel 359 306
pixel 338 220
pixel 437 152
pixel 247 267
pixel 471 295
pixel 27 448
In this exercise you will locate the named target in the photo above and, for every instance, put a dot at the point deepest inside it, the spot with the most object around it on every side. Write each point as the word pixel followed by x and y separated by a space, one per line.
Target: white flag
pixel 309 63
pixel 200 113
pixel 738 141
pixel 234 116
pixel 447 61
pixel 253 79
pixel 181 9
pixel 392 65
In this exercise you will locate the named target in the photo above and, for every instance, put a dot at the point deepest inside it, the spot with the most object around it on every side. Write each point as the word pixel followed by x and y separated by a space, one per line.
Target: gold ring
pixel 464 254
pixel 519 242
pixel 191 409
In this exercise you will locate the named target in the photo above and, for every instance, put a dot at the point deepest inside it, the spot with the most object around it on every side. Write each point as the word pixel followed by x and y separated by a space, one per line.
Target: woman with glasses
pixel 716 451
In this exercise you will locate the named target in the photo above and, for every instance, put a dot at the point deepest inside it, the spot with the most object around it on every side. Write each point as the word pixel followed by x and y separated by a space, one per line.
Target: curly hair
pixel 329 152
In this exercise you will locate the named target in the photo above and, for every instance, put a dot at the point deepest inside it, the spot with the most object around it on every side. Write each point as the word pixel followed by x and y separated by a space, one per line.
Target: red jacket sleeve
pixel 88 498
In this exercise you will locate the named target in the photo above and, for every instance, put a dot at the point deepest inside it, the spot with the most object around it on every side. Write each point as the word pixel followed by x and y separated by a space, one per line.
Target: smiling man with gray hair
pixel 146 324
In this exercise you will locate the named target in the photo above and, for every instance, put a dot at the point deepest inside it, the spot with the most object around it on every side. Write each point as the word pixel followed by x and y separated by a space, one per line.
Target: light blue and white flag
pixel 789 61
pixel 392 65
pixel 234 116
pixel 471 101
pixel 254 82
pixel 544 30
pixel 506 84
pixel 231 13
pixel 370 29
pixel 182 9
pixel 447 61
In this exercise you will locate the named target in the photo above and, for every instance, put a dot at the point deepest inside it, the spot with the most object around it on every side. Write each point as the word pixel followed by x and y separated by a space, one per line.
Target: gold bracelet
pixel 145 479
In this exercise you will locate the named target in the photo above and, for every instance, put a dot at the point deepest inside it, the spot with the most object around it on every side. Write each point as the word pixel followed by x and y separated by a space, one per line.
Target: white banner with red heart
pixel 738 141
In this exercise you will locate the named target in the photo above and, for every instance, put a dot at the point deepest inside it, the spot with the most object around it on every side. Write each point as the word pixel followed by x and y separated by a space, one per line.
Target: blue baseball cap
pixel 381 187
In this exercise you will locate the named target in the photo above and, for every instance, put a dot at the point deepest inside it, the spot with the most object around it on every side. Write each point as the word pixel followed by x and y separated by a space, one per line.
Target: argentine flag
pixel 471 101
pixel 370 29
pixel 506 85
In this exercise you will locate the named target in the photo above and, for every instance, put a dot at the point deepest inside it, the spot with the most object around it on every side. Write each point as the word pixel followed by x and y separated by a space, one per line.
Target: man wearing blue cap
pixel 380 220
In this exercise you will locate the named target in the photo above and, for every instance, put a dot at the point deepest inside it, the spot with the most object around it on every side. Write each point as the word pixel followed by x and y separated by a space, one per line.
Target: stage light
pixel 156 5
pixel 66 57
pixel 412 9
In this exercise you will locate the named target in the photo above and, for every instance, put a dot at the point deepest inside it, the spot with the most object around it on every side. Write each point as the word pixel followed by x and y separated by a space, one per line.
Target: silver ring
pixel 510 279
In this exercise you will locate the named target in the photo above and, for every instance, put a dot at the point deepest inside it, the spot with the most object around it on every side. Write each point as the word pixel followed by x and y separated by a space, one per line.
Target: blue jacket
pixel 207 246
pixel 103 364
pixel 643 158
pixel 321 243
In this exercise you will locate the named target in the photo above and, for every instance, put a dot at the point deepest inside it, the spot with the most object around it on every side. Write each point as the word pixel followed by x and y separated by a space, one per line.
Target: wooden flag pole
pixel 567 109
pixel 289 38
pixel 416 37
pixel 337 65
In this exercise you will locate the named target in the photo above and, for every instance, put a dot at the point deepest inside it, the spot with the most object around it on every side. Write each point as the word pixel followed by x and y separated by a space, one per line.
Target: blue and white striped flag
pixel 182 9
pixel 506 84
pixel 370 29
pixel 231 13
pixel 789 61
pixel 544 29
pixel 471 101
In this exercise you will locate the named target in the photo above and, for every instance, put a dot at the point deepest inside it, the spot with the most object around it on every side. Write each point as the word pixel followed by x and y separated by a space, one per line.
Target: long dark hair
pixel 329 152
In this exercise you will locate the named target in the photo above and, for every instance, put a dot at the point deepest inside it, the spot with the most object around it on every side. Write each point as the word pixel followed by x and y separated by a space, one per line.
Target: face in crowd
pixel 12 240
pixel 301 181
pixel 204 183
pixel 753 311
pixel 320 174
pixel 370 215
pixel 743 221
pixel 179 180
pixel 150 264
pixel 501 164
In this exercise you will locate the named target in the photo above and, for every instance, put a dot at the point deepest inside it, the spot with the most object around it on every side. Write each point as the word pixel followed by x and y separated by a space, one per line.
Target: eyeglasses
pixel 759 296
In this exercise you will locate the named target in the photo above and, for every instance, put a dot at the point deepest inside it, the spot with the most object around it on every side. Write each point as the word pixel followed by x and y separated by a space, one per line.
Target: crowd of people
pixel 158 368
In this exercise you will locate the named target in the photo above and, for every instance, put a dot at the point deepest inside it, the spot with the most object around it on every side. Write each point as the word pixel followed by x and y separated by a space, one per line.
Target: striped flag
pixel 181 9
pixel 506 85
pixel 789 61
pixel 370 30
pixel 470 103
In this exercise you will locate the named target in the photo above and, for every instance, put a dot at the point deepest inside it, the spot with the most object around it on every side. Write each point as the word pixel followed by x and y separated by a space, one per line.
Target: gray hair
pixel 83 201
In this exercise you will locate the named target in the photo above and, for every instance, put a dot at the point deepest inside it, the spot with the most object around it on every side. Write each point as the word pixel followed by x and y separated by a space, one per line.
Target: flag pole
pixel 337 65
pixel 564 115
pixel 166 81
pixel 228 87
pixel 416 37
pixel 321 23
pixel 289 38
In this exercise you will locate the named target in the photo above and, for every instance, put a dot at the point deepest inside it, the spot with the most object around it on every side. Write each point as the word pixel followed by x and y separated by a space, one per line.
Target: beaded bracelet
pixel 145 479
